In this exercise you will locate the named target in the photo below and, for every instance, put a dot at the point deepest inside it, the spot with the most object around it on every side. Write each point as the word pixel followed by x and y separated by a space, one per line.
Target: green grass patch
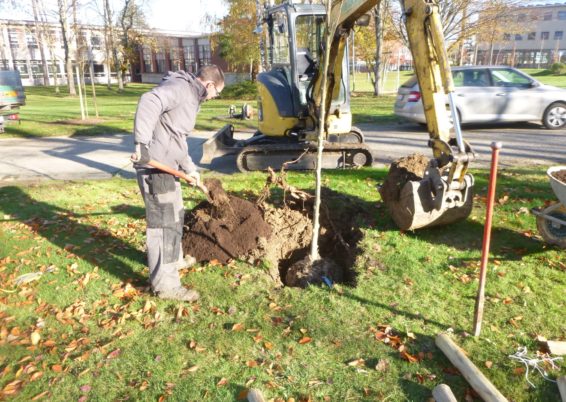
pixel 104 337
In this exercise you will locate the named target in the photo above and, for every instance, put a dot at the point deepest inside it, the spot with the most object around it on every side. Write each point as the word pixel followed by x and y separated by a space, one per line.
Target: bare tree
pixel 39 31
pixel 112 44
pixel 65 33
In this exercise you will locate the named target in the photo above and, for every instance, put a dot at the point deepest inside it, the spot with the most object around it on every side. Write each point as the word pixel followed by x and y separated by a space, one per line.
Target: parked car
pixel 12 96
pixel 486 94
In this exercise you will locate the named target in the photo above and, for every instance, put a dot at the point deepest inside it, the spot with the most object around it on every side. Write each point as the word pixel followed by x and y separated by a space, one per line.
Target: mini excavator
pixel 290 103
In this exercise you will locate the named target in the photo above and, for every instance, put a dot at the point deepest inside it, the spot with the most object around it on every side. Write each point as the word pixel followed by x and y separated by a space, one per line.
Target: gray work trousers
pixel 164 214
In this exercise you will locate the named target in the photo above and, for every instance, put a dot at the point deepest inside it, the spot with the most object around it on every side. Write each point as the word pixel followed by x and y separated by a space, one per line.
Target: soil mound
pixel 560 175
pixel 403 170
pixel 227 228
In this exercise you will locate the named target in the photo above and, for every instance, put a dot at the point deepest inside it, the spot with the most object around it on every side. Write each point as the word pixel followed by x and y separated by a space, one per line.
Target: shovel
pixel 181 175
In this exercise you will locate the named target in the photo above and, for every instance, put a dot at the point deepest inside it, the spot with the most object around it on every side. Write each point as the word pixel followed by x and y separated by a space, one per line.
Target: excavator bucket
pixel 420 206
pixel 418 196
pixel 220 144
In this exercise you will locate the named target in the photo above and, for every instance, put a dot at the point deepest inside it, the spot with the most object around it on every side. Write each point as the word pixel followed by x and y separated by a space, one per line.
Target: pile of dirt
pixel 401 171
pixel 230 227
pixel 560 175
pixel 227 228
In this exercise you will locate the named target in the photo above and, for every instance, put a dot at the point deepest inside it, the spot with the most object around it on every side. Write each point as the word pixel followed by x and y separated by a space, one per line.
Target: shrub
pixel 245 90
pixel 558 68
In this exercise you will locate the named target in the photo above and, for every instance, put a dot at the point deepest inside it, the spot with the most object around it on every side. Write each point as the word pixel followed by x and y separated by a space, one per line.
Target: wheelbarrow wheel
pixel 553 232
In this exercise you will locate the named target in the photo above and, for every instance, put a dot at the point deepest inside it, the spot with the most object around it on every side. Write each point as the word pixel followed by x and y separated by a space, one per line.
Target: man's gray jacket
pixel 166 115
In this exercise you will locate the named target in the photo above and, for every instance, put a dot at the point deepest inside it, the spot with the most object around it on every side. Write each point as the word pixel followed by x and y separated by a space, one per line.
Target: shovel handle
pixel 170 170
pixel 191 180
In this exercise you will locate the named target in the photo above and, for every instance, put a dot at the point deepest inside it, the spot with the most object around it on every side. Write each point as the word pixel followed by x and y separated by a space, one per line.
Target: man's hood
pixel 191 79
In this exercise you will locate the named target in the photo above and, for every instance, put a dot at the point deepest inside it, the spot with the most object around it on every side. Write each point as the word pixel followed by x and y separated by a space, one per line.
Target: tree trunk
pixel 378 18
pixel 65 37
pixel 40 40
pixel 112 40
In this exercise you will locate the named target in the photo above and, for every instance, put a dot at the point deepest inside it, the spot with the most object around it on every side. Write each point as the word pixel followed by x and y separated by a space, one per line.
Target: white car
pixel 488 94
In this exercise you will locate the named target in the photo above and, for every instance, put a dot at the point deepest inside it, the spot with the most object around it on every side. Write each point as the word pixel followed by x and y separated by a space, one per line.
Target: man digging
pixel 165 116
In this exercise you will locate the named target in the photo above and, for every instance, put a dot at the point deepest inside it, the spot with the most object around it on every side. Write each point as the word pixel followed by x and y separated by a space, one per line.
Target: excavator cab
pixel 287 123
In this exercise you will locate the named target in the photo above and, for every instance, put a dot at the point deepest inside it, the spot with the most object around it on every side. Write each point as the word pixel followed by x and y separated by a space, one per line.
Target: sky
pixel 174 15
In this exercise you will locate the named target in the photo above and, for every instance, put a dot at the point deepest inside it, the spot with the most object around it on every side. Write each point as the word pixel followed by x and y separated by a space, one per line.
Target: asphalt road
pixel 74 158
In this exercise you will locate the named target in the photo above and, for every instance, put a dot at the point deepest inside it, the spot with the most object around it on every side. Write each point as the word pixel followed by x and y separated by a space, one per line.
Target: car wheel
pixel 555 116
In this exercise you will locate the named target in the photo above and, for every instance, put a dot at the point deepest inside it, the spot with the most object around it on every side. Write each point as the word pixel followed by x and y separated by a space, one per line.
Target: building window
pixel 54 68
pixel 548 16
pixel 98 70
pixel 22 67
pixel 4 65
pixel 175 58
pixel 160 56
pixel 545 35
pixel 562 15
pixel 558 35
pixel 147 62
pixel 31 40
pixel 13 37
pixel 204 55
pixel 518 37
pixel 506 36
pixel 532 36
pixel 95 41
pixel 36 68
pixel 189 57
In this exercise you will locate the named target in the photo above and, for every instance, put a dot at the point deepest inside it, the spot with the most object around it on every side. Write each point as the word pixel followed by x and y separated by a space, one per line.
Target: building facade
pixel 536 39
pixel 37 52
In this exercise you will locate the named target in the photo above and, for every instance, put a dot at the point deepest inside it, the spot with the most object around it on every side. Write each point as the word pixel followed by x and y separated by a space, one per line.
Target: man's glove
pixel 141 154
pixel 195 176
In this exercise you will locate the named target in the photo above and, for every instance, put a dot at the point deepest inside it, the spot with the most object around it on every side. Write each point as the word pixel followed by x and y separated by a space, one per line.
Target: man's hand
pixel 193 178
pixel 141 154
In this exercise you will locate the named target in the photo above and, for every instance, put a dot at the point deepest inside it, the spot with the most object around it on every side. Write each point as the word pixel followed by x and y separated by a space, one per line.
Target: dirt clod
pixel 401 171
pixel 560 175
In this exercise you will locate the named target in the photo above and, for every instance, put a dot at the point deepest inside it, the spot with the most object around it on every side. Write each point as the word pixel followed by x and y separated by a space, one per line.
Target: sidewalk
pixel 72 158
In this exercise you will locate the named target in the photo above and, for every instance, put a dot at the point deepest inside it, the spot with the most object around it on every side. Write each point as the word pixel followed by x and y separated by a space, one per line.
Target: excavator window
pixel 308 32
pixel 280 39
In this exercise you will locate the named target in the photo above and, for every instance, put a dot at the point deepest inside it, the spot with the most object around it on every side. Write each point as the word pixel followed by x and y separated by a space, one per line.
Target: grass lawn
pixel 99 336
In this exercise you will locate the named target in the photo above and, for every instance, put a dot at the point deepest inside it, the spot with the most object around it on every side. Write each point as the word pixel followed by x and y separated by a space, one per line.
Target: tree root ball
pixel 307 272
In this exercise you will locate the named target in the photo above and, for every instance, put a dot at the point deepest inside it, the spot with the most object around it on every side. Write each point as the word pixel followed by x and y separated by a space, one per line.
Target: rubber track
pixel 296 150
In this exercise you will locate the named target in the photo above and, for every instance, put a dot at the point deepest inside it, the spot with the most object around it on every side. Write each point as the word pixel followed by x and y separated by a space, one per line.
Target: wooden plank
pixel 255 395
pixel 562 387
pixel 471 373
pixel 443 393
pixel 556 348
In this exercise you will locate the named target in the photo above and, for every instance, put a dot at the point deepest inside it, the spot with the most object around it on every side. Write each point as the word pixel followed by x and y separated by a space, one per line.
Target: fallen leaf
pixel 192 369
pixel 519 371
pixel 268 345
pixel 114 354
pixel 251 363
pixel 57 368
pixel 410 358
pixel 223 381
pixel 488 364
pixel 39 396
pixel 35 338
pixel 238 327
pixel 382 365
pixel 85 388
pixel 304 340
pixel 357 363
pixel 36 375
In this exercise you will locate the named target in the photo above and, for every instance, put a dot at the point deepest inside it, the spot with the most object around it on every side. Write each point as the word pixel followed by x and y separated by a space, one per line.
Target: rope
pixel 522 357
